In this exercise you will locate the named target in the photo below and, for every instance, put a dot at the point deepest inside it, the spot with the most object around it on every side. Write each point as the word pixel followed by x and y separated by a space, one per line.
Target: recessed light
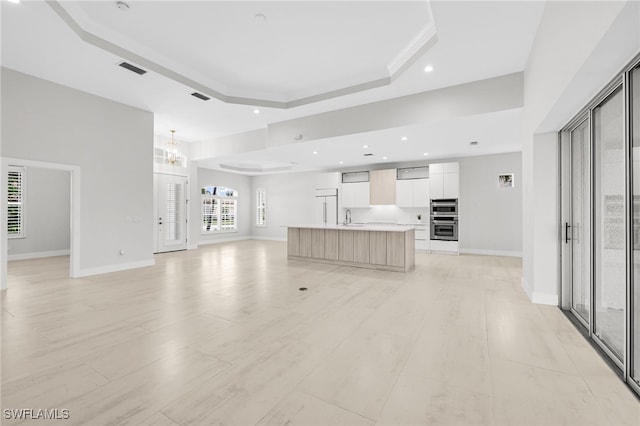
pixel 122 6
pixel 428 68
pixel 256 111
pixel 404 138
pixel 14 1
pixel 425 154
pixel 384 158
pixel 341 162
pixel 260 18
pixel 315 152
pixel 365 146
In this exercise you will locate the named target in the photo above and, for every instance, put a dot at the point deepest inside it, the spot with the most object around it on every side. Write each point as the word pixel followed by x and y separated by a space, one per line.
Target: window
pixel 261 207
pixel 15 202
pixel 219 209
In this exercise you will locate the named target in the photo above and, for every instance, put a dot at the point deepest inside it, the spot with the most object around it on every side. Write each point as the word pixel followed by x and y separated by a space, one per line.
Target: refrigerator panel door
pixel 332 210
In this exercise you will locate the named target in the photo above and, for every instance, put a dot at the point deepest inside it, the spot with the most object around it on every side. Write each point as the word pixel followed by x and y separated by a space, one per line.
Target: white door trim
pixel 74 263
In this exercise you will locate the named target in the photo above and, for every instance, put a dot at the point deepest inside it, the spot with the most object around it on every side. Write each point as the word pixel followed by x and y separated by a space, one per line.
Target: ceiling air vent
pixel 132 68
pixel 200 96
pixel 368 154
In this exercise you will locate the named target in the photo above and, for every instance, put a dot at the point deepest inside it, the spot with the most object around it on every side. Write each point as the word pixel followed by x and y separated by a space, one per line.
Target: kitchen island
pixel 386 247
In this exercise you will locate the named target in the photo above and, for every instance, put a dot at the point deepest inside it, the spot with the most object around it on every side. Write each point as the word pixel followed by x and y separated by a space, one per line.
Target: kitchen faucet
pixel 347 217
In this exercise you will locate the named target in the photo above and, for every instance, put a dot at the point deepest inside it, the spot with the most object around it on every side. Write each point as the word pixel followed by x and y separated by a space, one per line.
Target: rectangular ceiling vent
pixel 132 68
pixel 200 96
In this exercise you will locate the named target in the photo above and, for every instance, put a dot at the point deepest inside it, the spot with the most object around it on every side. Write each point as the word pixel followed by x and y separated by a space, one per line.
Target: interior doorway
pixel 74 207
pixel 170 201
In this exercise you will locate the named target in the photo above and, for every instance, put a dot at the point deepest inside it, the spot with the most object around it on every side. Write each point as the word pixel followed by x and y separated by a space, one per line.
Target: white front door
pixel 171 212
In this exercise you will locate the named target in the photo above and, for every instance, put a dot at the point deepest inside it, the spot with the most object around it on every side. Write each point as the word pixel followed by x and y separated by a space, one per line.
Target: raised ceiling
pixel 237 50
pixel 304 48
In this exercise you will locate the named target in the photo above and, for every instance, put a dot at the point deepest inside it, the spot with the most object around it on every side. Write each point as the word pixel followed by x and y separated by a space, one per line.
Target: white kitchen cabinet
pixel 436 183
pixel 421 192
pixel 412 193
pixel 404 193
pixel 451 185
pixel 444 180
pixel 355 195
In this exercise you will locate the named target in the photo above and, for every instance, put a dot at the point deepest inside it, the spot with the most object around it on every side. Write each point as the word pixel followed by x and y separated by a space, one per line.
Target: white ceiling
pixel 496 132
pixel 303 48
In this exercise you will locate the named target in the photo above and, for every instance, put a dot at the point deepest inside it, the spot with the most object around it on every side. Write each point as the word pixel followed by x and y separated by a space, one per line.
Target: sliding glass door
pixel 609 220
pixel 635 229
pixel 601 221
pixel 579 227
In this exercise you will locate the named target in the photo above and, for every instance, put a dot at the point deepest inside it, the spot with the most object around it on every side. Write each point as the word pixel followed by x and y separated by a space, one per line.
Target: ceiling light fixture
pixel 365 146
pixel 341 162
pixel 315 152
pixel 384 158
pixel 428 68
pixel 172 153
pixel 260 18
pixel 14 1
pixel 404 138
pixel 425 154
pixel 122 6
pixel 256 111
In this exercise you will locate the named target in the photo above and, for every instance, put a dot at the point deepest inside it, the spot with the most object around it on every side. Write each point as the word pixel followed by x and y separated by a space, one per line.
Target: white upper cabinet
pixel 421 192
pixel 355 195
pixel 404 193
pixel 412 193
pixel 444 180
pixel 436 182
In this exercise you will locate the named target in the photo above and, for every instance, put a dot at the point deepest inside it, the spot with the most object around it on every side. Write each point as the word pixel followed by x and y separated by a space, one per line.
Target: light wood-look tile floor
pixel 222 335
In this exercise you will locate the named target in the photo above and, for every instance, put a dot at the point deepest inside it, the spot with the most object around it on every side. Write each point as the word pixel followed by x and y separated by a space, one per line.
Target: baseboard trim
pixel 254 237
pixel 87 272
pixel 38 255
pixel 539 298
pixel 544 299
pixel 222 240
pixel 491 252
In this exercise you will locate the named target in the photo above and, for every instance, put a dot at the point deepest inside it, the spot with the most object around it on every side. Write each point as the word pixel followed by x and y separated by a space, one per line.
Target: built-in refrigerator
pixel 326 206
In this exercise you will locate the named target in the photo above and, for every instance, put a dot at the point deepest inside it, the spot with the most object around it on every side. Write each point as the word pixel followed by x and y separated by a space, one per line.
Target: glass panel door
pixel 635 241
pixel 172 213
pixel 609 220
pixel 579 228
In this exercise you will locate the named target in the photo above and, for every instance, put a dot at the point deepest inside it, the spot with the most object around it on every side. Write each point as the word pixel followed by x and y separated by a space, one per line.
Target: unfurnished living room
pixel 320 213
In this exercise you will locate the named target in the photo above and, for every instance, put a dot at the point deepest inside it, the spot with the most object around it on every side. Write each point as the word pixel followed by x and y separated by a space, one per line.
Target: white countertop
pixel 358 227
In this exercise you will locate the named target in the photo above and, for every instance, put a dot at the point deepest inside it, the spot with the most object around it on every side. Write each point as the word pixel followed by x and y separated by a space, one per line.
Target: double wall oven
pixel 444 219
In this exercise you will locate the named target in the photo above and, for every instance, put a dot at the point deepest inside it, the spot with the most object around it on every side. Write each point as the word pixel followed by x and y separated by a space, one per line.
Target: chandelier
pixel 172 153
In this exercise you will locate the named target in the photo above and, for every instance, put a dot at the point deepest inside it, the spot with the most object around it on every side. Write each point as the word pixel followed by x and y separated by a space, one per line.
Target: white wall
pixel 290 201
pixel 578 48
pixel 47 215
pixel 241 183
pixel 111 143
pixel 490 217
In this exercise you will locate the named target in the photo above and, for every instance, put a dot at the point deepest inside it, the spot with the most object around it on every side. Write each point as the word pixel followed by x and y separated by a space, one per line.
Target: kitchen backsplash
pixel 391 214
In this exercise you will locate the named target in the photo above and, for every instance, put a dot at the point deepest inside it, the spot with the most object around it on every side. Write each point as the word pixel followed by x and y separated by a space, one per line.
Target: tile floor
pixel 221 335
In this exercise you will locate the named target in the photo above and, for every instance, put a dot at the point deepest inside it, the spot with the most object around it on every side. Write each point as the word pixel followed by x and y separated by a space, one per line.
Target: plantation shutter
pixel 15 202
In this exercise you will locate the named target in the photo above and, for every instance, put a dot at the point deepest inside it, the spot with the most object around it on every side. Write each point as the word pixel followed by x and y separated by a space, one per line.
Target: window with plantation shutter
pixel 219 209
pixel 261 207
pixel 15 202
